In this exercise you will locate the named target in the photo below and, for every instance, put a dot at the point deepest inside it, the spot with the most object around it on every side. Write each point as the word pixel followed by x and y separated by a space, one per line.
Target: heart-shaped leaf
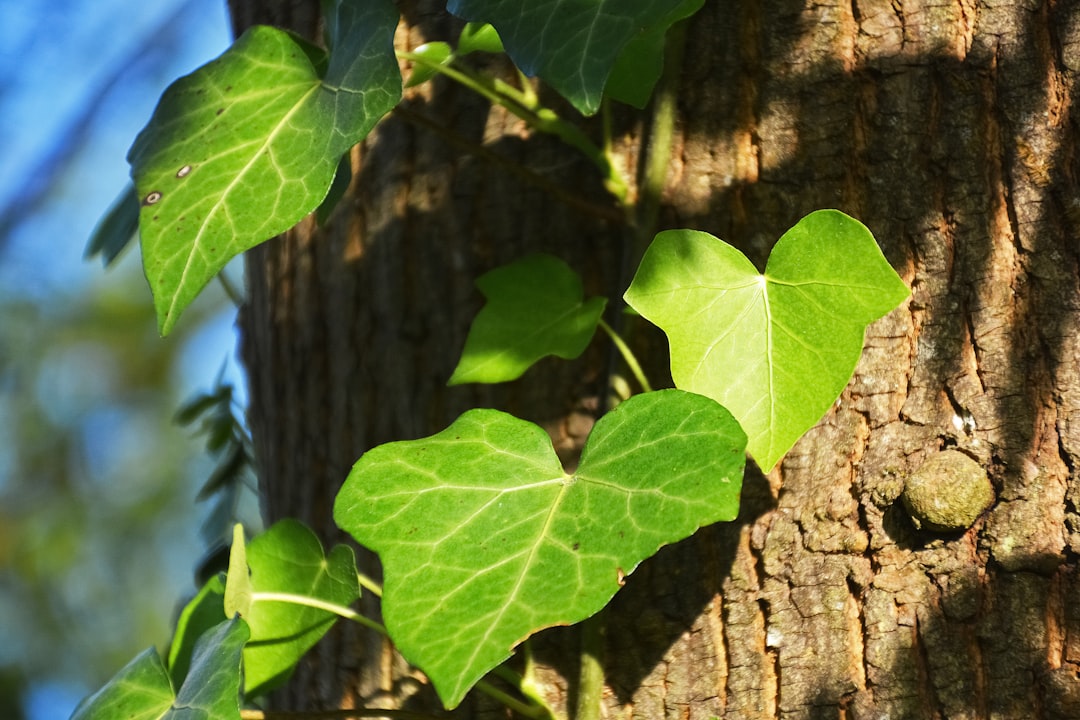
pixel 245 146
pixel 142 690
pixel 287 560
pixel 535 308
pixel 571 44
pixel 485 540
pixel 775 349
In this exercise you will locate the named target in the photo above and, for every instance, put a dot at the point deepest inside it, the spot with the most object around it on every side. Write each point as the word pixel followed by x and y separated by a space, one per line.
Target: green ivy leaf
pixel 535 308
pixel 485 540
pixel 639 65
pixel 142 691
pixel 286 559
pixel 571 44
pixel 775 349
pixel 244 147
pixel 202 613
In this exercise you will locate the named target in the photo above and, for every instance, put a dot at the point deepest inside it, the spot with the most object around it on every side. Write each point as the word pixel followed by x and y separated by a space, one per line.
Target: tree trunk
pixel 948 130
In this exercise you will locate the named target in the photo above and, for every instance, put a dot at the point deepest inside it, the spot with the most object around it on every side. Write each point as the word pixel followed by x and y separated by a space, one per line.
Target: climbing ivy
pixel 485 539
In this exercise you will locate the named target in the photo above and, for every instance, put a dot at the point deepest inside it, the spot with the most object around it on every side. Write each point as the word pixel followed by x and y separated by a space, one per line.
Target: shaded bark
pixel 947 129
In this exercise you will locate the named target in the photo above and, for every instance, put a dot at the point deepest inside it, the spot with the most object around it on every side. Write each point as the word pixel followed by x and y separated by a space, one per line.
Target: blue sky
pixel 78 79
pixel 73 94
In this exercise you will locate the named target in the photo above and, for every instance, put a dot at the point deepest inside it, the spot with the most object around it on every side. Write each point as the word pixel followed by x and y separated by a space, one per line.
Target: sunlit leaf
pixel 142 690
pixel 535 307
pixel 238 586
pixel 571 44
pixel 485 540
pixel 777 348
pixel 286 559
pixel 245 146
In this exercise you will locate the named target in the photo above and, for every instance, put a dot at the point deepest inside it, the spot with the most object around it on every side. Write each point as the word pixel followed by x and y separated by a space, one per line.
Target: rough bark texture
pixel 948 129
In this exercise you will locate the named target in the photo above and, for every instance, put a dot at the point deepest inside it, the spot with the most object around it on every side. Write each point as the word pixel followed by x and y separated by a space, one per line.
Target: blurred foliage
pixel 98 521
pixel 219 418
pixel 96 484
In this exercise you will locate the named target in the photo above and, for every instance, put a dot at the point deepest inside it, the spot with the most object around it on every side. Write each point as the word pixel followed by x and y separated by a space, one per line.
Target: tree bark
pixel 947 128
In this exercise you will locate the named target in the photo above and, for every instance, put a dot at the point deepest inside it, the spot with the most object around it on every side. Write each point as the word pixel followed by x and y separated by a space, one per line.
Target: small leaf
pixel 535 308
pixel 202 613
pixel 433 54
pixel 572 45
pixel 245 146
pixel 478 37
pixel 485 540
pixel 775 349
pixel 288 558
pixel 116 229
pixel 639 65
pixel 201 403
pixel 142 691
pixel 228 470
pixel 238 588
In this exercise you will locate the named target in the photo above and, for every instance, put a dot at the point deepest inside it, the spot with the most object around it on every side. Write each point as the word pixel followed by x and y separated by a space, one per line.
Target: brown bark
pixel 947 128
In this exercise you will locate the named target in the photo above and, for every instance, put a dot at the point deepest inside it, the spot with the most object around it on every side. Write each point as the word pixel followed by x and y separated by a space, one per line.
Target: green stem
pixel 628 356
pixel 591 677
pixel 661 134
pixel 335 714
pixel 339 610
pixel 368 584
pixel 527 90
pixel 544 119
pixel 521 708
pixel 537 708
pixel 526 683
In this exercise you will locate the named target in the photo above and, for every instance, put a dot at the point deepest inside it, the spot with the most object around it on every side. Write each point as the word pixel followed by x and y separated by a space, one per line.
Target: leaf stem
pixel 251 714
pixel 661 134
pixel 541 118
pixel 627 355
pixel 368 584
pixel 610 214
pixel 526 683
pixel 527 709
pixel 591 676
pixel 536 708
pixel 339 610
